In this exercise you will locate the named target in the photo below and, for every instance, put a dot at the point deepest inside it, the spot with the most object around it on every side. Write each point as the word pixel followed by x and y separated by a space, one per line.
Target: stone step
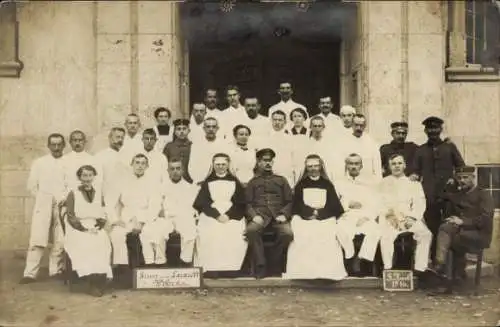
pixel 277 282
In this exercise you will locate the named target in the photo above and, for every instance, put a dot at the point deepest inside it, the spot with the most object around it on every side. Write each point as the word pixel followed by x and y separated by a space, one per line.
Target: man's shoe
pixel 27 280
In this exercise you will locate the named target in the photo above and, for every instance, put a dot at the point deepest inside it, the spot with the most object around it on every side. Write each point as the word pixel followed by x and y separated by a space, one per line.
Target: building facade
pixel 85 65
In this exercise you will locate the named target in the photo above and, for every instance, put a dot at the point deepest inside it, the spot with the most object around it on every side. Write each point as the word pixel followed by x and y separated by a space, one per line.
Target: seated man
pixel 140 201
pixel 269 201
pixel 469 223
pixel 315 253
pixel 403 206
pixel 360 202
pixel 86 243
pixel 178 209
pixel 221 205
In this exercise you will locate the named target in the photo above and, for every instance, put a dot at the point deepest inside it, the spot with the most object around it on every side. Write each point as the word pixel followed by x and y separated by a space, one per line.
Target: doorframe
pixel 352 91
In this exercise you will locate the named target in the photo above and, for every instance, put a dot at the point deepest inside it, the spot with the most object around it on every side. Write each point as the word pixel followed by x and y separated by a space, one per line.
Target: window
pixel 473 40
pixel 488 178
pixel 10 65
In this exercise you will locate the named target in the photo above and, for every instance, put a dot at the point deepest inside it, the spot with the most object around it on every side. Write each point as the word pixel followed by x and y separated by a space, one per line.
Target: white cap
pixel 347 110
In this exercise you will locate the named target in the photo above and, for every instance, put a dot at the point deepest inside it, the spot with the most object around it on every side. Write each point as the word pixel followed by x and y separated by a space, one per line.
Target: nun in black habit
pixel 315 252
pixel 221 204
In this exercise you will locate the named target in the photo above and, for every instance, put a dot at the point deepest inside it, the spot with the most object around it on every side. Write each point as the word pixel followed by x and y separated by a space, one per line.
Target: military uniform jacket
pixel 435 163
pixel 475 207
pixel 407 150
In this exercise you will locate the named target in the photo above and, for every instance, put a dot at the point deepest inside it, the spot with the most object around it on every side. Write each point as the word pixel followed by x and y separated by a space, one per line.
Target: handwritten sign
pixel 398 280
pixel 161 278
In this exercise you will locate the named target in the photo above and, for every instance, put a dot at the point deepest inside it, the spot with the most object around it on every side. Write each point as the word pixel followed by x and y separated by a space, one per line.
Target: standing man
pixel 211 103
pixel 347 115
pixel 333 123
pixel 158 164
pixel 46 183
pixel 286 104
pixel 269 201
pixel 162 129
pixel 79 157
pixel 110 163
pixel 398 145
pixel 258 124
pixel 434 165
pixel 180 147
pixel 203 151
pixel 198 115
pixel 132 144
pixel 361 143
pixel 234 114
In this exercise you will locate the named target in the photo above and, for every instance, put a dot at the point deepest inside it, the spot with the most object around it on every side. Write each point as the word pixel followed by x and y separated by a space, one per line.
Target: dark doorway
pixel 258 45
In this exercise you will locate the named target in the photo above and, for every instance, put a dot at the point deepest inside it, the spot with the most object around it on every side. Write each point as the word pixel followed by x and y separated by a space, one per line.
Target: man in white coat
pixel 286 104
pixel 360 202
pixel 110 162
pixel 177 208
pixel 347 115
pixel 363 144
pixel 140 203
pixel 46 183
pixel 333 123
pixel 233 115
pixel 198 115
pixel 132 144
pixel 258 124
pixel 79 157
pixel 203 151
pixel 163 130
pixel 157 161
pixel 403 206
pixel 279 140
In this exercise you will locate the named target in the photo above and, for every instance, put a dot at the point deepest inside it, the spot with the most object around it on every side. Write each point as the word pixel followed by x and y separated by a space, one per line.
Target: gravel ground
pixel 49 303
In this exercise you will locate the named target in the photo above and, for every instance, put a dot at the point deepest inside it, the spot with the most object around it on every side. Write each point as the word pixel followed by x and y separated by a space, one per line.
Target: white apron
pixel 314 252
pixel 220 246
pixel 89 253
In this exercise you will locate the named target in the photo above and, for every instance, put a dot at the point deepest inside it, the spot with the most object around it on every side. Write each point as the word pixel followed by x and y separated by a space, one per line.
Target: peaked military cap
pixel 399 124
pixel 264 152
pixel 181 122
pixel 465 170
pixel 432 121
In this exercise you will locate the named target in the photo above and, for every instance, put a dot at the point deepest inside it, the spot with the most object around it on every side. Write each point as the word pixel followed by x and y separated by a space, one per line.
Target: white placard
pixel 398 280
pixel 158 278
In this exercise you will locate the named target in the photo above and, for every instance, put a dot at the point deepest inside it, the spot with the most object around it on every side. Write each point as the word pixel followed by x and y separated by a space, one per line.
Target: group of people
pixel 223 177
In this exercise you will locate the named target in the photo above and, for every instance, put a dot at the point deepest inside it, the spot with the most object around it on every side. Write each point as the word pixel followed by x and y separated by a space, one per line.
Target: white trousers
pixel 153 240
pixel 348 228
pixel 89 253
pixel 56 250
pixel 220 246
pixel 421 235
pixel 314 252
pixel 185 225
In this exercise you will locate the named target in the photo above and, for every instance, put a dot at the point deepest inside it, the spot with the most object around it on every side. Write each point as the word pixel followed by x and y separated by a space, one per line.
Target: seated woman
pixel 221 204
pixel 315 252
pixel 86 243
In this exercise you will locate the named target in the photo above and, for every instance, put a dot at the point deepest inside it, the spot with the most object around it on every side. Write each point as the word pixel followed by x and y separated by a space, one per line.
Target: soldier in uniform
pixel 469 222
pixel 434 164
pixel 180 147
pixel 269 201
pixel 398 145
